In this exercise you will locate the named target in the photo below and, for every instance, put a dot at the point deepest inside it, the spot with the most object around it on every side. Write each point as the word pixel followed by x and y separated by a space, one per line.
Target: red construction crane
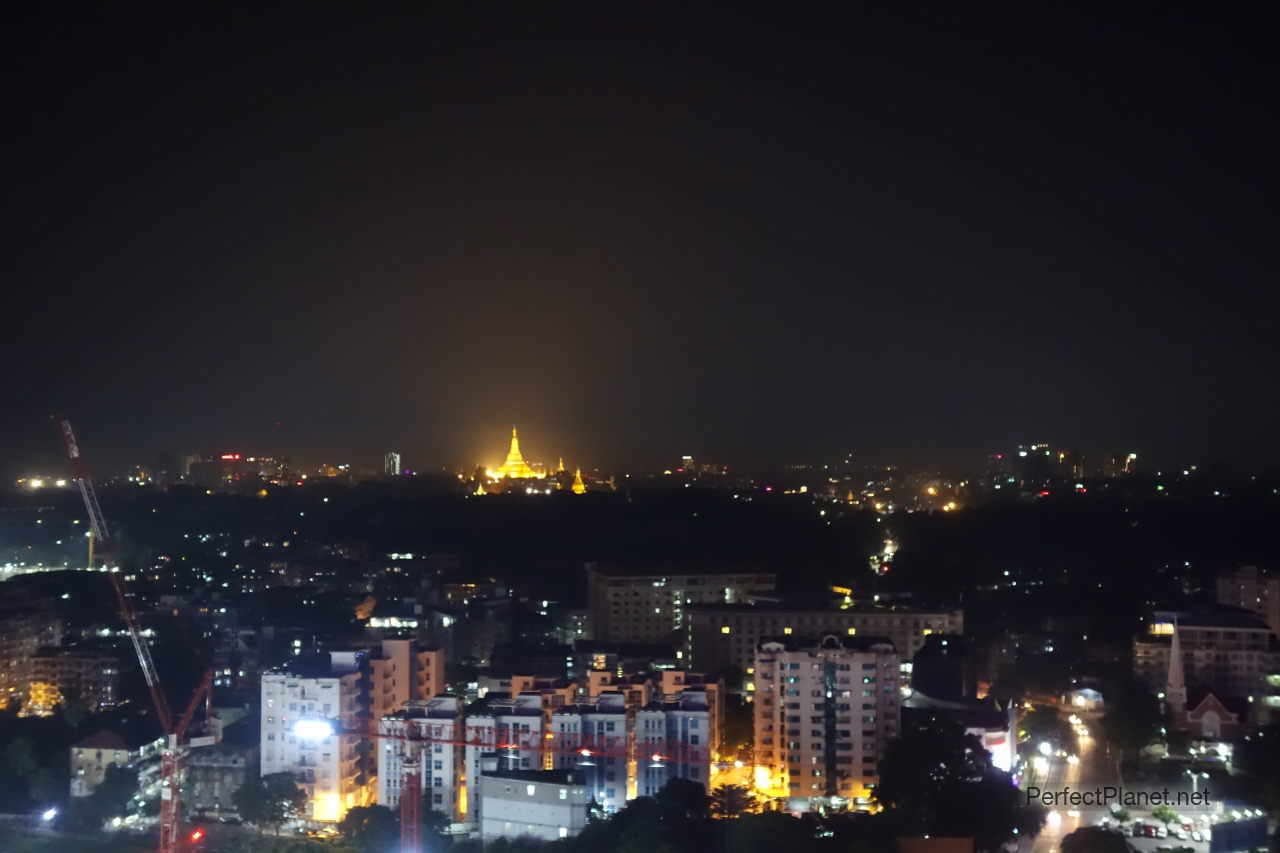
pixel 175 732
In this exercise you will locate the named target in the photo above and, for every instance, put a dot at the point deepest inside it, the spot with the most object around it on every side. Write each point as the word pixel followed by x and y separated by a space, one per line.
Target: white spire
pixel 1175 691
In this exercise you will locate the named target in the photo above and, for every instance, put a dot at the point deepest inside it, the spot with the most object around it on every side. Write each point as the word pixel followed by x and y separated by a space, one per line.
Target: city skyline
pixel 917 235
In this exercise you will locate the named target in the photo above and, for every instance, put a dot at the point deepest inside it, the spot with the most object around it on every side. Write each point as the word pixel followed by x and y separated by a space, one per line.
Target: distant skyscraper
pixel 391 464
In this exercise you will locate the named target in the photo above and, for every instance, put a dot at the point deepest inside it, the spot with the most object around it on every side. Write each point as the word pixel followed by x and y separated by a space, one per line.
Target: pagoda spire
pixel 515 466
pixel 579 487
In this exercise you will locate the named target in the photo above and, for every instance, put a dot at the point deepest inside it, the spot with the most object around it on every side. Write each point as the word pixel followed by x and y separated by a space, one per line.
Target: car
pixel 1196 836
pixel 1149 831
pixel 1181 834
pixel 1162 831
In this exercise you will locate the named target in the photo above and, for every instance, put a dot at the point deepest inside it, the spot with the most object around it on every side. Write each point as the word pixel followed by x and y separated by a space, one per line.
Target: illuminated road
pixel 1096 768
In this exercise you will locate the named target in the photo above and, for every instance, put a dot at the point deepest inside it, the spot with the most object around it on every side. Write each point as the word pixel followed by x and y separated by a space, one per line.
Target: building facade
pixel 593 738
pixel 1231 653
pixel 432 731
pixel 91 675
pixel 674 739
pixel 25 627
pixel 1251 589
pixel 648 606
pixel 542 804
pixel 824 712
pixel 509 731
pixel 343 691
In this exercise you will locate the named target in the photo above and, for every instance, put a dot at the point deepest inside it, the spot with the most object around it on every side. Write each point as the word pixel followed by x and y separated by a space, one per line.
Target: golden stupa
pixel 579 487
pixel 515 467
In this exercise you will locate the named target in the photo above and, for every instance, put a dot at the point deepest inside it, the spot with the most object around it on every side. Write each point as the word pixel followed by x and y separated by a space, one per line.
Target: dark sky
pixel 916 233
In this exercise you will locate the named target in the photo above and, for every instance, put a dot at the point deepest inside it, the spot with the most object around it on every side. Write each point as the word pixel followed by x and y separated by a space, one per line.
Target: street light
pixel 48 815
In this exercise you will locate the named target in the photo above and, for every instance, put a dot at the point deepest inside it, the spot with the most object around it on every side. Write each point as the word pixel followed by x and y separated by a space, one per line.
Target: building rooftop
pixel 813 607
pixel 831 642
pixel 1213 617
pixel 102 740
pixel 549 777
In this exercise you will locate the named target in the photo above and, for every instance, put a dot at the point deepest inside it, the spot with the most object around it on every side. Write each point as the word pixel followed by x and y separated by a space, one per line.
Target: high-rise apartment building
pixel 510 730
pixel 391 464
pixel 25 627
pixel 1251 589
pixel 593 738
pixel 342 693
pixel 722 637
pixel 674 739
pixel 90 675
pixel 433 731
pixel 648 605
pixel 824 712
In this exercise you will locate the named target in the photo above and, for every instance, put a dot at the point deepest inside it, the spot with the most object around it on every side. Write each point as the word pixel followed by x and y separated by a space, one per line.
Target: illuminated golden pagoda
pixel 515 467
pixel 579 487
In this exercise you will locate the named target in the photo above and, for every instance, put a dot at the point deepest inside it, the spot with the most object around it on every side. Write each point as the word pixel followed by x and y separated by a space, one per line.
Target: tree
pixel 1095 839
pixel 1044 723
pixel 269 800
pixel 1164 813
pixel 1132 717
pixel 19 757
pixel 117 789
pixel 74 708
pixel 682 799
pixel 729 801
pixel 370 828
pixel 937 780
pixel 44 786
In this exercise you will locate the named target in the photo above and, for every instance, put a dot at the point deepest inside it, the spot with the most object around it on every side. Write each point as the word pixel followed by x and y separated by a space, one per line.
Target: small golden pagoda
pixel 579 487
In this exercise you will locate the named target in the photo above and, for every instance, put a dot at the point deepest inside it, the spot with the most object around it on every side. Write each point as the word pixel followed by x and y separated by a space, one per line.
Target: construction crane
pixel 174 731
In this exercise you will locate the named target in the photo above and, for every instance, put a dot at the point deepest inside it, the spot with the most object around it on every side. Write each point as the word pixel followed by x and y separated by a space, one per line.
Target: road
pixel 1096 768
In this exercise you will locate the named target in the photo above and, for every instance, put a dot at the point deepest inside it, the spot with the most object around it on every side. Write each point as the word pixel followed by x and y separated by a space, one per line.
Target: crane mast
pixel 174 734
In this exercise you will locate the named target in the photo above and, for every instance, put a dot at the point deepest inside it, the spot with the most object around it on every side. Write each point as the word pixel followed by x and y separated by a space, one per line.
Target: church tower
pixel 1175 690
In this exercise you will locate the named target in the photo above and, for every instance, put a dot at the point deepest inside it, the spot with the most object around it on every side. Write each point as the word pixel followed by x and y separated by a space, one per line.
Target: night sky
pixel 915 235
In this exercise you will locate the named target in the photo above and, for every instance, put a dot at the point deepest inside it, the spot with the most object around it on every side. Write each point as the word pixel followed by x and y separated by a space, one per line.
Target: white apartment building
pixel 675 739
pixel 433 729
pixel 592 737
pixel 824 712
pixel 339 693
pixel 542 804
pixel 508 730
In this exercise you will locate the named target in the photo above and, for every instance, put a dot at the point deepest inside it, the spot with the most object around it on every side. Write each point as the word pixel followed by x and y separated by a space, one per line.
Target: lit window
pixel 724 629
